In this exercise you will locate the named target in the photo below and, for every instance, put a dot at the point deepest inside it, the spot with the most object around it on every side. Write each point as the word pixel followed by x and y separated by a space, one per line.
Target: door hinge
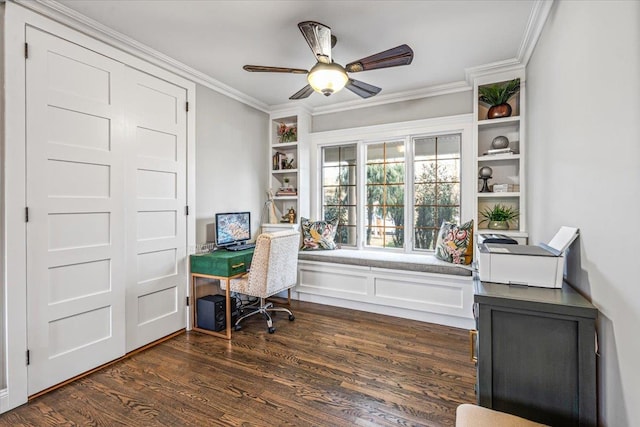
pixel 187 106
pixel 26 214
pixel 28 357
pixel 187 301
pixel 186 210
pixel 26 50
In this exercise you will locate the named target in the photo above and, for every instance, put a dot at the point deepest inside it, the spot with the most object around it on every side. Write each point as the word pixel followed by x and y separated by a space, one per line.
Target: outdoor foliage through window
pixel 434 186
pixel 339 190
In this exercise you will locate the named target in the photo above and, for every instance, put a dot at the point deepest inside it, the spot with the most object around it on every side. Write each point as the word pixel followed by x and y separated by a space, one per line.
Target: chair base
pixel 263 309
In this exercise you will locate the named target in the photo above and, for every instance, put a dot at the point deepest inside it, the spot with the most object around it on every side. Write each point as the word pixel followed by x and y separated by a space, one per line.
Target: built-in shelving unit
pixel 289 169
pixel 507 168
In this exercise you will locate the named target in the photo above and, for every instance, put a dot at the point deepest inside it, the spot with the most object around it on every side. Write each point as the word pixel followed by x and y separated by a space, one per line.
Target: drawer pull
pixel 473 334
pixel 237 265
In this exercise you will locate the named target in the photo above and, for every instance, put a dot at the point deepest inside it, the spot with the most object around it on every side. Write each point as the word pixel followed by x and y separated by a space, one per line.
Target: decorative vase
pixel 497 111
pixel 500 142
pixel 498 225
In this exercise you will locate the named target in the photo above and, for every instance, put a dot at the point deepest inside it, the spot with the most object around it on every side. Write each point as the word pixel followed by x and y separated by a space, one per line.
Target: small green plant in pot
pixel 499 216
pixel 497 97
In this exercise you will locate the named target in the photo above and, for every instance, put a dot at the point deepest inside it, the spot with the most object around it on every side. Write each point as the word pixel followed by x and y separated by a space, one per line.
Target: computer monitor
pixel 232 228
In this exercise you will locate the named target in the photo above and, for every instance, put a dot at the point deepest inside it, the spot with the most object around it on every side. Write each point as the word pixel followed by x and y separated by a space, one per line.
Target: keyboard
pixel 242 247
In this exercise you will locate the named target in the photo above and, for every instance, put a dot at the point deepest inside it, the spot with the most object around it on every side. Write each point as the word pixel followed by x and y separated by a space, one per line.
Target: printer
pixel 530 265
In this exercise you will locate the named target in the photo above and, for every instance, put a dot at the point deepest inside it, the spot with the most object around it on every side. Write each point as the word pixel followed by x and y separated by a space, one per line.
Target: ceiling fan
pixel 327 76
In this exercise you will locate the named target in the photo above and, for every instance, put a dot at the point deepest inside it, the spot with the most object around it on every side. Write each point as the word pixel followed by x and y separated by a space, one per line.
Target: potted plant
pixel 497 97
pixel 499 216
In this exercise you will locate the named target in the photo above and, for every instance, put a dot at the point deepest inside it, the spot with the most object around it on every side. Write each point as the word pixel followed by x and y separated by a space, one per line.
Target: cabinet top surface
pixel 502 294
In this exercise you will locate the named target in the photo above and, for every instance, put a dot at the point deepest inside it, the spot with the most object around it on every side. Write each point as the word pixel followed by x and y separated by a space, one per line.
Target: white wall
pixel 2 301
pixel 232 155
pixel 583 100
pixel 417 109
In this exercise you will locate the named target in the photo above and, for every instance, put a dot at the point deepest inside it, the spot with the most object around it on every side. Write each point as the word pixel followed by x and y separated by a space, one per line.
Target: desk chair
pixel 274 268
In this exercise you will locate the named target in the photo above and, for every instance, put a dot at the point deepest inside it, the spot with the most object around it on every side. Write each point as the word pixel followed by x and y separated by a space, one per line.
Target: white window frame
pixel 361 136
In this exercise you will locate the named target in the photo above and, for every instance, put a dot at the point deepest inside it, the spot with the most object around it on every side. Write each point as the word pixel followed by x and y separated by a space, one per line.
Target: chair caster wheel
pixel 237 327
pixel 272 330
pixel 292 317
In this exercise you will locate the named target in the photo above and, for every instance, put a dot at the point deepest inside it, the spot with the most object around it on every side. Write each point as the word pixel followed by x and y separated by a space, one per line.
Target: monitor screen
pixel 232 228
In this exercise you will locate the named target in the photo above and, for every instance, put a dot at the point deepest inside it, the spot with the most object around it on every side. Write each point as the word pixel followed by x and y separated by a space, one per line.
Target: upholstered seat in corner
pixel 273 270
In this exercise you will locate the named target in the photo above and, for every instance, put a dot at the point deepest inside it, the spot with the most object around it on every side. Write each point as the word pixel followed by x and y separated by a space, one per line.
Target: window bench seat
pixel 411 286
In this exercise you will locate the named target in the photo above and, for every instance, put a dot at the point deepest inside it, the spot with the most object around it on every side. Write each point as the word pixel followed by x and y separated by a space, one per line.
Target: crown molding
pixel 538 17
pixel 438 90
pixel 69 17
pixel 60 13
pixel 535 25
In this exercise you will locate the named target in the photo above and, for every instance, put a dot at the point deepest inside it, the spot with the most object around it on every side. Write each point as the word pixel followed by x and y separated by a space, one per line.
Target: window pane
pixel 375 153
pixel 330 175
pixel 425 148
pixel 375 174
pixel 425 238
pixel 339 190
pixel 425 216
pixel 449 194
pixel 449 170
pixel 424 171
pixel 436 186
pixel 395 173
pixel 424 194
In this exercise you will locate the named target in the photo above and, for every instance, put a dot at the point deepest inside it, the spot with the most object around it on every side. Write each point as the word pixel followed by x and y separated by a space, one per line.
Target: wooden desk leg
pixel 228 305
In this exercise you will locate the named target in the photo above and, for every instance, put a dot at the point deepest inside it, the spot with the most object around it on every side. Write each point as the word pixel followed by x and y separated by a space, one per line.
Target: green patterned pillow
pixel 318 235
pixel 455 243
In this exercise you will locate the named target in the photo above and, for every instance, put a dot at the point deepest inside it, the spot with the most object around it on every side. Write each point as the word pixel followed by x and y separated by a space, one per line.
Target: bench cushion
pixel 393 261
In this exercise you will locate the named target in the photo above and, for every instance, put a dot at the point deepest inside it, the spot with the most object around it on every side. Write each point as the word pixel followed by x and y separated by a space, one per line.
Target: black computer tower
pixel 212 313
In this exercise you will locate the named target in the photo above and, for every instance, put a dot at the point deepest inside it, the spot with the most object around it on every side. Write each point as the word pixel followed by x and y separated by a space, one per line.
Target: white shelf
pixel 285 198
pixel 497 122
pixel 498 157
pixel 503 194
pixel 284 145
pixel 285 171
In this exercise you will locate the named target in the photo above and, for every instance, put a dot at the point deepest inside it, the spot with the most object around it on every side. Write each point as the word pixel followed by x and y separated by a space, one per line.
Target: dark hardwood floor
pixel 330 367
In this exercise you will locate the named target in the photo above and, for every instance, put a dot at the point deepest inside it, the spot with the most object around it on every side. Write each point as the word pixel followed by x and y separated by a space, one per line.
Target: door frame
pixel 13 326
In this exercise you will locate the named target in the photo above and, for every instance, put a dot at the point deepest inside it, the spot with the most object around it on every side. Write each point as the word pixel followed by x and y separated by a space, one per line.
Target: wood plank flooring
pixel 330 367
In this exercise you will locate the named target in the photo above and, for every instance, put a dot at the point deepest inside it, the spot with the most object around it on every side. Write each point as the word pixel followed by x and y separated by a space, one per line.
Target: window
pixel 339 190
pixel 393 194
pixel 384 206
pixel 436 186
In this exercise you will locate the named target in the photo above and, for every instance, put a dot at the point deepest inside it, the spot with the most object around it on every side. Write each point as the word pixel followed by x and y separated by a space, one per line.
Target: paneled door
pixel 76 228
pixel 156 201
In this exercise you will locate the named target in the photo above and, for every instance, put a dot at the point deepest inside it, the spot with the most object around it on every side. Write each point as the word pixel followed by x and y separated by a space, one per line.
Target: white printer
pixel 530 265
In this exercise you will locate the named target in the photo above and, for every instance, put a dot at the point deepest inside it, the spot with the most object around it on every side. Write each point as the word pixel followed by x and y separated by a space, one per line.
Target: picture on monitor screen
pixel 232 228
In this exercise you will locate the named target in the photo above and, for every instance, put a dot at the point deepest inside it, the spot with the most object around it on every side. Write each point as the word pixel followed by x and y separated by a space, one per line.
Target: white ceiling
pixel 217 38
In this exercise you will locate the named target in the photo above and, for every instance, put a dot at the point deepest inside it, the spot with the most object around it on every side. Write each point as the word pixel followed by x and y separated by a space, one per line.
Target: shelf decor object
pixel 499 144
pixel 287 133
pixel 485 175
pixel 497 96
pixel 499 216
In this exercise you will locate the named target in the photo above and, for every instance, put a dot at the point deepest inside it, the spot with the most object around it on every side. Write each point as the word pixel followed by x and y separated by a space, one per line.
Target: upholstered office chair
pixel 273 269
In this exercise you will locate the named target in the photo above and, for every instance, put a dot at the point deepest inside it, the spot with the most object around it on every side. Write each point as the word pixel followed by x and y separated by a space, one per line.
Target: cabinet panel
pixel 536 353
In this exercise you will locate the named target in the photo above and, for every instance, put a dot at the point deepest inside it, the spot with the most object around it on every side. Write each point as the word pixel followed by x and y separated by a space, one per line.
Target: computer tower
pixel 212 312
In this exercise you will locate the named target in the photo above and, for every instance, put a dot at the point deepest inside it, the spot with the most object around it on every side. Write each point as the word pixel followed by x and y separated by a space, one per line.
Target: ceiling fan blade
pixel 362 89
pixel 263 69
pixel 399 55
pixel 319 38
pixel 302 93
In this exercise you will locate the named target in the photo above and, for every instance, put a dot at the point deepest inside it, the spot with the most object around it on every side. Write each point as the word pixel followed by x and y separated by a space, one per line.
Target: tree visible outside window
pixel 384 208
pixel 339 190
pixel 436 186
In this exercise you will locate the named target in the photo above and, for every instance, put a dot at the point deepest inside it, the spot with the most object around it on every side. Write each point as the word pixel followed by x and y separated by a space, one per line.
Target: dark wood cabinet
pixel 536 353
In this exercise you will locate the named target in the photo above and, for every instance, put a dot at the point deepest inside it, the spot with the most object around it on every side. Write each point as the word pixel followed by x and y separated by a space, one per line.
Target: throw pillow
pixel 455 243
pixel 318 235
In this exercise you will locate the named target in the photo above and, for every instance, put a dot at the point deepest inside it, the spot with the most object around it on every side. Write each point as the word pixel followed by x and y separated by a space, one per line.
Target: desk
pixel 223 266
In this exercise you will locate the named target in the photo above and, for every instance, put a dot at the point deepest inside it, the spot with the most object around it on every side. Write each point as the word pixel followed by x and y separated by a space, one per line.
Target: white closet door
pixel 156 221
pixel 75 232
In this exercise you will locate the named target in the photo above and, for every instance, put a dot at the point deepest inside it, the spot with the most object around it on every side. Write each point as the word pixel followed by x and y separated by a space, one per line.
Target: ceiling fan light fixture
pixel 327 78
